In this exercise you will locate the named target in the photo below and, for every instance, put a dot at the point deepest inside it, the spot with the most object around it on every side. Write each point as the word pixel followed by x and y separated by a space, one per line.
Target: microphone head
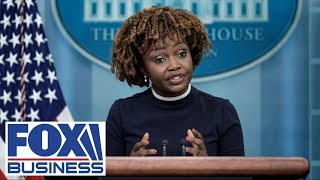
pixel 183 142
pixel 164 143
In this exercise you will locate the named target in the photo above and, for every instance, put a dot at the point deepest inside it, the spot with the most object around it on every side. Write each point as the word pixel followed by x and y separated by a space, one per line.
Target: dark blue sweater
pixel 215 118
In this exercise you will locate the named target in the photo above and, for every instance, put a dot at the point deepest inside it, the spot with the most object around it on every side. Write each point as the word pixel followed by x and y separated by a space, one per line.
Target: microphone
pixel 164 147
pixel 183 144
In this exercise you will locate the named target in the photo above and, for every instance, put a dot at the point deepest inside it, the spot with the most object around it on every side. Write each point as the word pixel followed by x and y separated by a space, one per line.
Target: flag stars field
pixel 16 115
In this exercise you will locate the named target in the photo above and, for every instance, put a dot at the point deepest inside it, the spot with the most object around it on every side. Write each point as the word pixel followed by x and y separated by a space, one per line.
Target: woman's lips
pixel 176 79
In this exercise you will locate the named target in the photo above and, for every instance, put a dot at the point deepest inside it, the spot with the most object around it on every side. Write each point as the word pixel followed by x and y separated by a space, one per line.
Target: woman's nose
pixel 174 64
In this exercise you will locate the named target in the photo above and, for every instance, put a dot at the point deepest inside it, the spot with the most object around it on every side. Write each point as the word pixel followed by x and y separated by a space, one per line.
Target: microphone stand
pixel 164 147
pixel 183 144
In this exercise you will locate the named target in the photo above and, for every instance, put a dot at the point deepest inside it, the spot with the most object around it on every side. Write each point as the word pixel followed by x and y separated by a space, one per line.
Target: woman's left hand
pixel 198 147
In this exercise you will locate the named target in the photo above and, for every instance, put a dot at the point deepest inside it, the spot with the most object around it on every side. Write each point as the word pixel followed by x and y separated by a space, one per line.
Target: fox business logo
pixel 55 148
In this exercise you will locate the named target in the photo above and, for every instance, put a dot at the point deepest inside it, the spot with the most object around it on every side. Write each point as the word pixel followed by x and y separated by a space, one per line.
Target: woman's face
pixel 169 66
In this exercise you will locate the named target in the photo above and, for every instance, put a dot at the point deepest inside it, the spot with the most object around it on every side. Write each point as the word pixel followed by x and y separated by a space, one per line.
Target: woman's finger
pixel 197 134
pixel 145 137
pixel 140 145
pixel 190 136
pixel 190 133
pixel 194 140
pixel 194 151
pixel 146 152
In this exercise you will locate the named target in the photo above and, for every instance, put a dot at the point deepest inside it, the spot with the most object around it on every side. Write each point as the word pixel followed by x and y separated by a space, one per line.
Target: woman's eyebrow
pixel 161 47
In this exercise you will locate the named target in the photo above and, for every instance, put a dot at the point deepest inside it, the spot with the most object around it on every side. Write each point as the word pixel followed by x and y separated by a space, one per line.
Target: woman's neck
pixel 175 98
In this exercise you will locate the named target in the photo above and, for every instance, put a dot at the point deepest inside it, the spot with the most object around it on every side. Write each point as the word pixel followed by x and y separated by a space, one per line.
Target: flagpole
pixel 22 64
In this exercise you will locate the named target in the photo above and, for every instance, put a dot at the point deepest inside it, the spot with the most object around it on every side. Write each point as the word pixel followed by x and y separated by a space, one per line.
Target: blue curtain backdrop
pixel 285 97
pixel 273 99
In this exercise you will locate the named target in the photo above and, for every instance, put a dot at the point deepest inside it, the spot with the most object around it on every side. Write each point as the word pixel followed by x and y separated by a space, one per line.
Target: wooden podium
pixel 234 167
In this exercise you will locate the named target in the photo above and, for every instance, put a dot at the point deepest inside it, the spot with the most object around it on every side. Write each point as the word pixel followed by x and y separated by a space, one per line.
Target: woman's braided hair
pixel 144 29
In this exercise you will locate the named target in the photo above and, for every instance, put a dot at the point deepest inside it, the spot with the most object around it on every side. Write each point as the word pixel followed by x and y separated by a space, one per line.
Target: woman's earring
pixel 145 78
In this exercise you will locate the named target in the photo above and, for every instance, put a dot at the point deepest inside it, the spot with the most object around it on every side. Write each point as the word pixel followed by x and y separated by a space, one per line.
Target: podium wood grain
pixel 207 166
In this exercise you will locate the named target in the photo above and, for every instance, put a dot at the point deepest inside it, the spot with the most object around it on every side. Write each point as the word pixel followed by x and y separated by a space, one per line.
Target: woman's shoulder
pixel 209 98
pixel 134 98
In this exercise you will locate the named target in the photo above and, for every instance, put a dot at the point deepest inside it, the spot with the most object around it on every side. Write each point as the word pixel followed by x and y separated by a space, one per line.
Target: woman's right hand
pixel 139 149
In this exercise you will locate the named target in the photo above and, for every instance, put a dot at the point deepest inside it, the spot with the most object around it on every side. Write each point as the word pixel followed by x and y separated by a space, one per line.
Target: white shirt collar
pixel 171 98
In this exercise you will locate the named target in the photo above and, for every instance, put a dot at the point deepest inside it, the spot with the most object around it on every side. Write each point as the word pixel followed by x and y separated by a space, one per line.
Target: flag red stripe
pixel 2 176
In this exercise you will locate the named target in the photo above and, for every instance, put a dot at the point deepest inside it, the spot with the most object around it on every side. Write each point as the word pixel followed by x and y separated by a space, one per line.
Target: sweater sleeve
pixel 231 137
pixel 114 132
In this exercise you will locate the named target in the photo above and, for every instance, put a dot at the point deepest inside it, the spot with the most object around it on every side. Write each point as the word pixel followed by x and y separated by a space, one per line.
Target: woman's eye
pixel 182 54
pixel 159 60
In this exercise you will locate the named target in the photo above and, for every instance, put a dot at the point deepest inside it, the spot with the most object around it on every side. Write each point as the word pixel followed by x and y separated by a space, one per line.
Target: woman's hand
pixel 198 147
pixel 139 148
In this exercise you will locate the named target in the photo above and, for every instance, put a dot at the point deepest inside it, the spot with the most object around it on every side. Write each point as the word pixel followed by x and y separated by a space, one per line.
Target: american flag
pixel 29 88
